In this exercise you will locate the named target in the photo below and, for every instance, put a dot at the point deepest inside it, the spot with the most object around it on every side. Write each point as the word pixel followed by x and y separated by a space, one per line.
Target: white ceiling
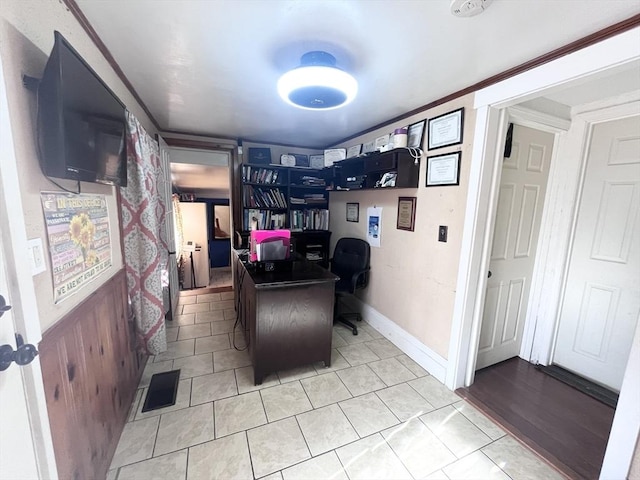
pixel 202 180
pixel 204 173
pixel 210 67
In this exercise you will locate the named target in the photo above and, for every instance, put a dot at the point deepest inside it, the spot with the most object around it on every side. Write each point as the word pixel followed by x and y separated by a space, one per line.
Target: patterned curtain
pixel 145 247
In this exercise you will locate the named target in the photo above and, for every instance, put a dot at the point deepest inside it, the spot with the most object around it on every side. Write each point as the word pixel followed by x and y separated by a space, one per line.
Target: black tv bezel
pixel 52 136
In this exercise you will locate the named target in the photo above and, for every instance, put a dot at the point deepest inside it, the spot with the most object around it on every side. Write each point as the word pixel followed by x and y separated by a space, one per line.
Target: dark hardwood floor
pixel 566 427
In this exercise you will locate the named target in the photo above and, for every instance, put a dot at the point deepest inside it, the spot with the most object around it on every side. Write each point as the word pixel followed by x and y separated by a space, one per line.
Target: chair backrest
pixel 350 256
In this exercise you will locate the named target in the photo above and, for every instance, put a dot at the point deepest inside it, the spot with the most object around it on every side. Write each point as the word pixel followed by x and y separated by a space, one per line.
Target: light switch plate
pixel 36 256
pixel 443 231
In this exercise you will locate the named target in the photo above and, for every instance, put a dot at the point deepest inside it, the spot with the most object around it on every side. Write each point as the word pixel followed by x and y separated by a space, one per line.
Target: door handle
pixel 489 274
pixel 23 354
pixel 3 306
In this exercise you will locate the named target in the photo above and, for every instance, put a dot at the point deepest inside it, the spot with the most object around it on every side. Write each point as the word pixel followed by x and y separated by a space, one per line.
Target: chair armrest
pixel 356 276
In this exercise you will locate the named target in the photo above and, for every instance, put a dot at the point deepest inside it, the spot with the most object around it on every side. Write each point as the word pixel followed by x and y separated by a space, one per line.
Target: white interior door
pixel 17 454
pixel 520 203
pixel 172 267
pixel 602 294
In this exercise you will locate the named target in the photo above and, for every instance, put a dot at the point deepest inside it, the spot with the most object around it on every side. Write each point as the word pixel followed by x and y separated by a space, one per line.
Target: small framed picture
pixel 353 212
pixel 406 213
pixel 301 160
pixel 415 134
pixel 354 151
pixel 446 130
pixel 443 169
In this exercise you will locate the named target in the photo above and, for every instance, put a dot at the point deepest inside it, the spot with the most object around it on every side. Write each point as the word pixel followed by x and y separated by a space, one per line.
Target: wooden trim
pixel 197 144
pixel 239 141
pixel 572 47
pixel 213 135
pixel 84 22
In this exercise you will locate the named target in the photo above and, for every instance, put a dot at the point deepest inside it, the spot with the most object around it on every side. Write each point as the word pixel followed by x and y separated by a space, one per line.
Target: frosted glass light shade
pixel 317 87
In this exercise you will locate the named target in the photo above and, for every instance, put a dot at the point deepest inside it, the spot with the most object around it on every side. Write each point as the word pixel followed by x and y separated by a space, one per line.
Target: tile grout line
pixel 317 373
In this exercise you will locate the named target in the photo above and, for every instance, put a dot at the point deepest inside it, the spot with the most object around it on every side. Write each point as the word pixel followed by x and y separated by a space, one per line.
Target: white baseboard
pixel 414 348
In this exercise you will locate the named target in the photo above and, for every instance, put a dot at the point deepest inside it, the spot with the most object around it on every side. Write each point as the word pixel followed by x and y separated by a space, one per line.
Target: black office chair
pixel 350 262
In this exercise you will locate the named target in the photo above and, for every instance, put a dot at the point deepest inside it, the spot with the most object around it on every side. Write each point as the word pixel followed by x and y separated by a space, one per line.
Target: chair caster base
pixel 355 331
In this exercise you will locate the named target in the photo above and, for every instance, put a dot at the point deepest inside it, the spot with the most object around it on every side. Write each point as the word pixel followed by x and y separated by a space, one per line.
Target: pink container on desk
pixel 269 245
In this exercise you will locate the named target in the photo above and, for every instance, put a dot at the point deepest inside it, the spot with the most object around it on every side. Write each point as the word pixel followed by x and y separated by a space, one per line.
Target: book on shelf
pixel 316 219
pixel 253 174
pixel 256 219
pixel 308 199
pixel 312 181
pixel 265 198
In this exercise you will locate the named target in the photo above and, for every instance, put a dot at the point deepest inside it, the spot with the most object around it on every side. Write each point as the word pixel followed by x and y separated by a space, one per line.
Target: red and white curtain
pixel 145 246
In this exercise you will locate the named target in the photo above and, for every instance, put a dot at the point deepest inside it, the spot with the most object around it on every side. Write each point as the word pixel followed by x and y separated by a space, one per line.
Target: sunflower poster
pixel 79 239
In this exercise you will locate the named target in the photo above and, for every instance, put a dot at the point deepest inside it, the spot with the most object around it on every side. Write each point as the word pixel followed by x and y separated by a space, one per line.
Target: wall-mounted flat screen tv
pixel 81 122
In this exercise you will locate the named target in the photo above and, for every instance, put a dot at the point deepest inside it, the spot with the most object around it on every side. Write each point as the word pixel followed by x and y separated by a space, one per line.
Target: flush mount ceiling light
pixel 317 84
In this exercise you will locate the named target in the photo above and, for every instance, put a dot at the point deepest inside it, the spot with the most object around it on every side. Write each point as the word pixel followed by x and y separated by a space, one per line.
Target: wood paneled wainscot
pixel 90 376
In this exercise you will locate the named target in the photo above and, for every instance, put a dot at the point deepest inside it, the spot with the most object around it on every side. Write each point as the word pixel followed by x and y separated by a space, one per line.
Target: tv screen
pixel 81 122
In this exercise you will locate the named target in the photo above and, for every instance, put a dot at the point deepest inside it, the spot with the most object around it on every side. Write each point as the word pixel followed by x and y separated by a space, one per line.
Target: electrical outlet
pixel 36 256
pixel 443 230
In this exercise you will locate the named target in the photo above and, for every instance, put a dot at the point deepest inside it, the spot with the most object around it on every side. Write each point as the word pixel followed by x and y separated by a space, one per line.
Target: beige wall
pixel 26 38
pixel 413 276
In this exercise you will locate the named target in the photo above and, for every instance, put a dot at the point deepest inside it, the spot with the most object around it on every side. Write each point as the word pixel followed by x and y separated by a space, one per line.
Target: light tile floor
pixel 220 277
pixel 374 414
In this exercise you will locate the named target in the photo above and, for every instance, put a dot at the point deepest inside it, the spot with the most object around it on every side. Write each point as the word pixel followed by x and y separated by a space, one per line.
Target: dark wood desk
pixel 287 316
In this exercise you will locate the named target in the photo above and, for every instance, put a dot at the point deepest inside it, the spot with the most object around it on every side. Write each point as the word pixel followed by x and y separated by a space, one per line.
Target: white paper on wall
pixel 374 226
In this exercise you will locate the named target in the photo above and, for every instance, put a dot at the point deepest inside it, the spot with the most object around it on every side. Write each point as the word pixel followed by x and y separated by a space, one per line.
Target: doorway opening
pixel 201 182
pixel 491 122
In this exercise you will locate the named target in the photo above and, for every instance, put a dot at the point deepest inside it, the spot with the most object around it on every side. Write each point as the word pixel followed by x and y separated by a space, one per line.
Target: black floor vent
pixel 162 390
pixel 594 390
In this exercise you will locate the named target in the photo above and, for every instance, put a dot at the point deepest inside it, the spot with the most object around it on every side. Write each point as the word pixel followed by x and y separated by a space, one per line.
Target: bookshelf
pixel 275 196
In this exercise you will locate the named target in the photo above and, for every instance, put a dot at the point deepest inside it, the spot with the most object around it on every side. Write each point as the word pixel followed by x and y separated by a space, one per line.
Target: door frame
pixel 23 295
pixel 536 301
pixel 490 103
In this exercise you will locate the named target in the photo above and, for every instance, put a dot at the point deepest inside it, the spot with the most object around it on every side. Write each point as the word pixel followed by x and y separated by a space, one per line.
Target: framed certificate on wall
pixel 443 169
pixel 446 130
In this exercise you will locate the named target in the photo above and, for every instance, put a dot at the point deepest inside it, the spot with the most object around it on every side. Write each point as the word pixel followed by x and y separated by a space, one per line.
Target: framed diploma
pixel 369 146
pixel 354 151
pixel 353 212
pixel 414 134
pixel 406 213
pixel 446 130
pixel 443 169
pixel 382 141
pixel 316 161
pixel 334 155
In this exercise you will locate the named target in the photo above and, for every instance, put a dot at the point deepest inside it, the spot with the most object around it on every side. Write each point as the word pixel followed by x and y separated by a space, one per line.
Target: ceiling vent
pixel 468 8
